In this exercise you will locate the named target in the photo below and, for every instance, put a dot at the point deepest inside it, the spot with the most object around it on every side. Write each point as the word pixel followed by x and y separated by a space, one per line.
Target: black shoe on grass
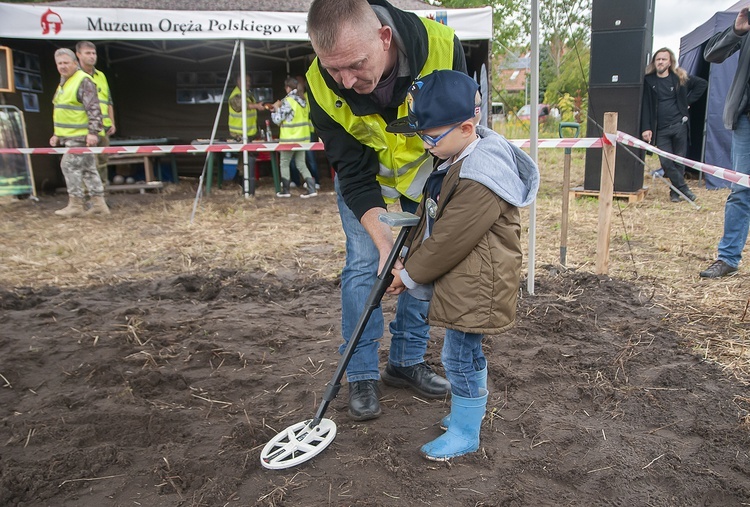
pixel 718 269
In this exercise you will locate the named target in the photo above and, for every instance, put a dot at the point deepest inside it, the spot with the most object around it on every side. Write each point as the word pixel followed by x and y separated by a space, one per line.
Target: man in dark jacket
pixel 368 54
pixel 737 210
pixel 668 92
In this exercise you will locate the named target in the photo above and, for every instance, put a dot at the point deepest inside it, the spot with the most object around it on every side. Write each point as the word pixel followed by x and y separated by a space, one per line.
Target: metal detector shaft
pixel 675 189
pixel 406 221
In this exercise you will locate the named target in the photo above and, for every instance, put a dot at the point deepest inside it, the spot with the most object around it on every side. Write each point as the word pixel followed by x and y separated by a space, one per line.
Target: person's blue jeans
pixel 409 329
pixel 737 208
pixel 462 358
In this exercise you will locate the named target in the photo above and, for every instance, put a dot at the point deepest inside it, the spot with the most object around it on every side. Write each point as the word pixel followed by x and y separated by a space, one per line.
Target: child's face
pixel 451 140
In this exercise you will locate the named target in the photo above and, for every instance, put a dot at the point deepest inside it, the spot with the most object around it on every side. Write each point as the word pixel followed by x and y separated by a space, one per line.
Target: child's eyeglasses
pixel 433 141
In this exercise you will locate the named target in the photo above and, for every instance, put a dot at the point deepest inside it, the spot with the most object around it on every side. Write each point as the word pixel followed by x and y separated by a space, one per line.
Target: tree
pixel 560 22
pixel 570 88
pixel 510 19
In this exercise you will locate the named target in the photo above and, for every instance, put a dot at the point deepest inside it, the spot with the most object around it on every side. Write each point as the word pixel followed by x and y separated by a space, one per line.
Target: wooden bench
pixel 127 159
pixel 141 187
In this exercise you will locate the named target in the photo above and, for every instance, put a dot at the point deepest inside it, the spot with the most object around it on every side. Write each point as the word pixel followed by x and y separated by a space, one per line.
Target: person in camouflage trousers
pixel 77 122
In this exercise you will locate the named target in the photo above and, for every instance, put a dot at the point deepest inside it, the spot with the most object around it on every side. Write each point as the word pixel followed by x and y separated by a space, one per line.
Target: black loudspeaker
pixel 626 102
pixel 619 58
pixel 609 15
pixel 621 38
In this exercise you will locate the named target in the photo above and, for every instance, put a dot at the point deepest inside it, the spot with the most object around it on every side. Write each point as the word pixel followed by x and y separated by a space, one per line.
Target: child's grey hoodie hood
pixel 503 168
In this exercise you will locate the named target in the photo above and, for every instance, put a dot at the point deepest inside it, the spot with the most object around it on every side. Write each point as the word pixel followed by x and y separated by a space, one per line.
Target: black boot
pixel 311 192
pixel 284 189
pixel 363 400
pixel 418 377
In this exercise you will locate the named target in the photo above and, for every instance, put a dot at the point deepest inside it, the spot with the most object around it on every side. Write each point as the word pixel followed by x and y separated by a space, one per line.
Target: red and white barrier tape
pixel 171 148
pixel 585 142
pixel 719 172
pixel 566 142
pixel 590 142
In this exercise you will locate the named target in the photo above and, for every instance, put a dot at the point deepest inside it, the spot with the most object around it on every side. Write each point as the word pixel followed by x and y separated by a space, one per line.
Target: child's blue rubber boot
pixel 481 381
pixel 462 436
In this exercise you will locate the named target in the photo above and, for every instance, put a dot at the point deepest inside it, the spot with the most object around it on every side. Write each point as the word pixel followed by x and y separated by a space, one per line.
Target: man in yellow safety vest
pixel 86 54
pixel 77 118
pixel 234 110
pixel 368 54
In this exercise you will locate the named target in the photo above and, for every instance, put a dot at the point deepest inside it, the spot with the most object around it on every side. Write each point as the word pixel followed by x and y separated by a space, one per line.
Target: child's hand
pixel 397 286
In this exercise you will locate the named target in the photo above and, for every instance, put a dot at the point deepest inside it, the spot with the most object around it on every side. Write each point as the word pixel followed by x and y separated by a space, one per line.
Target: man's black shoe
pixel 689 195
pixel 418 377
pixel 718 269
pixel 675 198
pixel 363 400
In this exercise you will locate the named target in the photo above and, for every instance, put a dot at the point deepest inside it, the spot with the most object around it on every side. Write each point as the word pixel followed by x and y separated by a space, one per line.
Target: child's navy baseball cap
pixel 441 98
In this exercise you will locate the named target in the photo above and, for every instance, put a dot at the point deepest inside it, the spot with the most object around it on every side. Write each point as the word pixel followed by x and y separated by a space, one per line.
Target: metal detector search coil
pixel 297 444
pixel 305 440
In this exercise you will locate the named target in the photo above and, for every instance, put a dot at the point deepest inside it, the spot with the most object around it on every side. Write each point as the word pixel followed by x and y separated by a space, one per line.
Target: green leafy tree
pixel 572 75
pixel 510 19
pixel 564 53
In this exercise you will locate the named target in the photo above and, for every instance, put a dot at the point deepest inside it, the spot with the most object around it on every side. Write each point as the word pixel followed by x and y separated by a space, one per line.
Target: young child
pixel 465 253
pixel 293 118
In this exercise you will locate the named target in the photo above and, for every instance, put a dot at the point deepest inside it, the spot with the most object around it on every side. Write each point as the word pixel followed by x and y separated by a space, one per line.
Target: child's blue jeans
pixel 462 359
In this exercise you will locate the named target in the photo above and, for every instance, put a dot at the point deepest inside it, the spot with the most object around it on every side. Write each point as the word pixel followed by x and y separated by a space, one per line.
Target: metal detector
pixel 303 441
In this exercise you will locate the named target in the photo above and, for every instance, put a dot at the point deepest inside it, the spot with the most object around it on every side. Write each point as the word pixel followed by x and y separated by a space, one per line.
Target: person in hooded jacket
pixel 464 255
pixel 719 48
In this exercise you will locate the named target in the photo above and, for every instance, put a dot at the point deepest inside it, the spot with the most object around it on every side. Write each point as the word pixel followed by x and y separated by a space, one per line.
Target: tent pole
pixel 248 185
pixel 534 135
pixel 199 191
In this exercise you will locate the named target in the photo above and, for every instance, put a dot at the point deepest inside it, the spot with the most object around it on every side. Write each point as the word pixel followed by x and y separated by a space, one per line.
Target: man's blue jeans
pixel 737 208
pixel 409 329
pixel 462 359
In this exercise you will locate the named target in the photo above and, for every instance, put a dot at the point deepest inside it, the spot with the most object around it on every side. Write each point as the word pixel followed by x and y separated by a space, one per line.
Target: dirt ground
pixel 162 391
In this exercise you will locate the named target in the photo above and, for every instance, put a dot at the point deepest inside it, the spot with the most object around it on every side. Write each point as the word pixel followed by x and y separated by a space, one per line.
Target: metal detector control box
pixel 399 219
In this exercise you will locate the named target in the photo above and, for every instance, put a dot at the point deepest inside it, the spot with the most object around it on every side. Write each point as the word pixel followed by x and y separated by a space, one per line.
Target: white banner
pixel 47 22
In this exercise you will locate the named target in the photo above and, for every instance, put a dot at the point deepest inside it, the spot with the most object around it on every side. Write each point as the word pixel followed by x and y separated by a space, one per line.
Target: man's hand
pixel 646 136
pixel 111 131
pixel 741 24
pixel 92 140
pixel 380 233
pixel 53 141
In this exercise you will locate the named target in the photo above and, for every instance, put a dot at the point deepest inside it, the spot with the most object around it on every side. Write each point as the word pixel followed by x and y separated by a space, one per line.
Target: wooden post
pixel 566 190
pixel 606 191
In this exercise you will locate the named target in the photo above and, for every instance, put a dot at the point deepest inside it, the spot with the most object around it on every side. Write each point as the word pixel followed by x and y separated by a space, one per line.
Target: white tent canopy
pixel 151 55
pixel 24 21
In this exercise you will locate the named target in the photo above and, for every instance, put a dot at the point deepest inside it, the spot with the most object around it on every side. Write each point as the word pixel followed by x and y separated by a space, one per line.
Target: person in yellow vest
pixel 292 117
pixel 368 54
pixel 86 54
pixel 234 109
pixel 312 163
pixel 77 118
